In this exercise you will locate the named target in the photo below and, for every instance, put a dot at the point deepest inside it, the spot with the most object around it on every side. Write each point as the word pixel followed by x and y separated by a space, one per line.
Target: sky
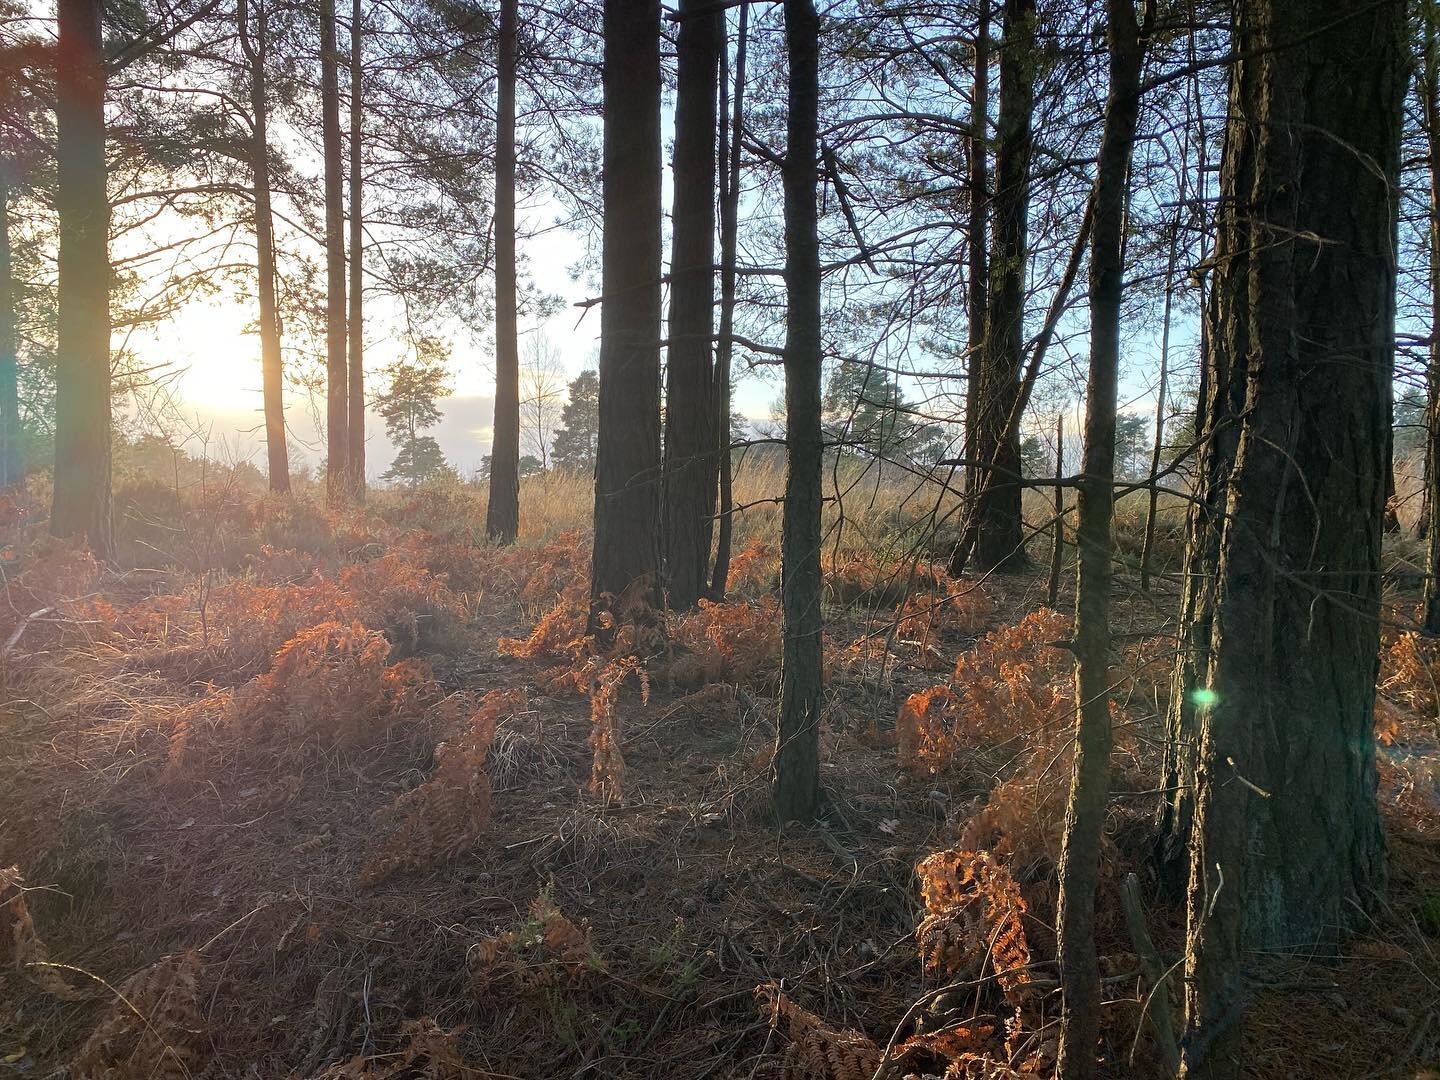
pixel 214 401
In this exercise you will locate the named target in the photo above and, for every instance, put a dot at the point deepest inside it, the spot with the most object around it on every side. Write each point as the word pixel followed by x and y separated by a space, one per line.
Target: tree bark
pixel 1430 503
pixel 1057 546
pixel 355 387
pixel 502 516
pixel 337 399
pixel 627 454
pixel 271 364
pixel 796 786
pixel 1286 837
pixel 999 527
pixel 690 435
pixel 12 464
pixel 1095 541
pixel 1225 350
pixel 978 244
pixel 81 505
pixel 729 237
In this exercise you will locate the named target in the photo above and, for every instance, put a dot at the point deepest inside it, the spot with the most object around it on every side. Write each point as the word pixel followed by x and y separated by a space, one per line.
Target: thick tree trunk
pixel 1286 837
pixel 730 146
pixel 355 387
pixel 796 790
pixel 502 517
pixel 627 453
pixel 337 395
pixel 978 244
pixel 997 512
pixel 12 465
pixel 690 435
pixel 271 365
pixel 1095 540
pixel 82 500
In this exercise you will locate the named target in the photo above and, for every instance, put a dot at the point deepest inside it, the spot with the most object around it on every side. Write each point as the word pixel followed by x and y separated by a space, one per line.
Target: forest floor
pixel 347 796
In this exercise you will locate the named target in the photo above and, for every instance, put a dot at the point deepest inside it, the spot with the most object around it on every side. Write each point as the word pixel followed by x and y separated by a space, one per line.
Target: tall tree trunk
pixel 12 465
pixel 1287 705
pixel 978 244
pixel 796 789
pixel 502 517
pixel 999 527
pixel 337 399
pixel 1095 540
pixel 1430 502
pixel 272 374
pixel 1225 347
pixel 1157 448
pixel 355 389
pixel 82 499
pixel 690 436
pixel 627 453
pixel 730 146
pixel 1057 545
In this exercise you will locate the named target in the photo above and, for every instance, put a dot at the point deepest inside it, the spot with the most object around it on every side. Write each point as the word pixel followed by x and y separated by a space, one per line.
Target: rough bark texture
pixel 12 465
pixel 730 145
pixel 1219 402
pixel 1430 503
pixel 690 418
pixel 337 394
pixel 627 455
pixel 271 365
pixel 1095 540
pixel 82 499
pixel 1305 324
pixel 796 790
pixel 355 386
pixel 999 526
pixel 502 518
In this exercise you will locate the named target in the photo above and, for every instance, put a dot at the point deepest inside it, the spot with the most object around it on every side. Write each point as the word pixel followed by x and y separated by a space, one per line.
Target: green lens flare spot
pixel 1204 698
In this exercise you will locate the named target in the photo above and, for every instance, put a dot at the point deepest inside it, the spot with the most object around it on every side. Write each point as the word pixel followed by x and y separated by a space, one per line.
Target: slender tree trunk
pixel 999 527
pixel 1095 541
pixel 82 499
pixel 978 245
pixel 12 464
pixel 1430 502
pixel 1287 706
pixel 271 369
pixel 690 435
pixel 796 790
pixel 1224 346
pixel 1147 547
pixel 355 388
pixel 1057 547
pixel 502 517
pixel 729 237
pixel 337 399
pixel 627 454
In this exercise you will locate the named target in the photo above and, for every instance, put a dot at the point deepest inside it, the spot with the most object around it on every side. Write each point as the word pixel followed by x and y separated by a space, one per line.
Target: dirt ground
pixel 578 936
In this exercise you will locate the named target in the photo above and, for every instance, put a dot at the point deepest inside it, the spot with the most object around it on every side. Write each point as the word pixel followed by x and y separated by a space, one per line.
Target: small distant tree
pixel 574 443
pixel 1133 433
pixel 409 404
pixel 1035 458
pixel 865 410
pixel 542 382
